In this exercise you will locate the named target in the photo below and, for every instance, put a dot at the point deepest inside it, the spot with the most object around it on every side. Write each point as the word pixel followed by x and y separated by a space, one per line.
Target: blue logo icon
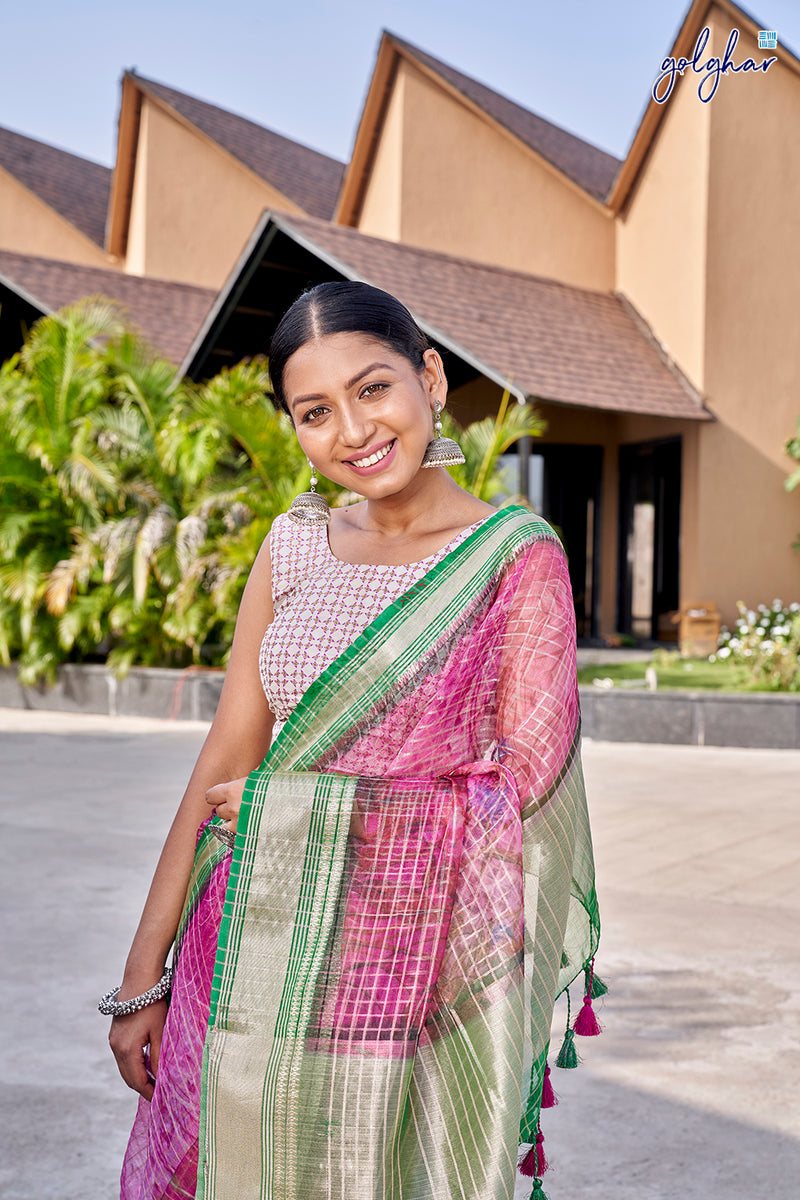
pixel 767 39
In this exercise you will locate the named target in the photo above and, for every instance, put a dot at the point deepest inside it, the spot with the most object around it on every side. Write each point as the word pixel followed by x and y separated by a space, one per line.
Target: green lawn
pixel 688 674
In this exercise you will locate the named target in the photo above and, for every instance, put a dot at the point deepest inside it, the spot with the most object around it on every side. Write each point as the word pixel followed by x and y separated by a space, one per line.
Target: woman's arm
pixel 236 743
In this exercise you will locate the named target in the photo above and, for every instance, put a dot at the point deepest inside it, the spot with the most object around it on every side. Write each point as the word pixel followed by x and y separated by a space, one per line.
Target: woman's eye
pixel 373 389
pixel 313 413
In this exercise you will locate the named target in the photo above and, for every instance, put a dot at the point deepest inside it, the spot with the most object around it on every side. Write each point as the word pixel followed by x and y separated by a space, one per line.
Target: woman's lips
pixel 386 458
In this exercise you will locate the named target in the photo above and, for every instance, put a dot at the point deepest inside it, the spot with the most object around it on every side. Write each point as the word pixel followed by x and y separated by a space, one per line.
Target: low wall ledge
pixel 752 719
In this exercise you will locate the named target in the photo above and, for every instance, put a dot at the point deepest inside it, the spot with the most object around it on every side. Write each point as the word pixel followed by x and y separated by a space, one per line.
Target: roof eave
pixel 121 198
pixel 27 296
pixel 367 132
pixel 230 291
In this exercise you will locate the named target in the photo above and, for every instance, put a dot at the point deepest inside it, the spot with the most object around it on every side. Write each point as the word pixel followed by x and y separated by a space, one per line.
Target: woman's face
pixel 362 413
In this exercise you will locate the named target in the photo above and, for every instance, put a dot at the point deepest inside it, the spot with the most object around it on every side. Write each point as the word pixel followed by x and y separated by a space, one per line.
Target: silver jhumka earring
pixel 308 508
pixel 441 451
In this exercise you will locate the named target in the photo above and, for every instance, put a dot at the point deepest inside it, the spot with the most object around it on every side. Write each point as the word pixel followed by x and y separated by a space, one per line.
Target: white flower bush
pixel 767 641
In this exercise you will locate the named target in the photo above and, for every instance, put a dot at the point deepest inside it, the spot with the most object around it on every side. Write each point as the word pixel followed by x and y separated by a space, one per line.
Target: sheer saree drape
pixel 410 889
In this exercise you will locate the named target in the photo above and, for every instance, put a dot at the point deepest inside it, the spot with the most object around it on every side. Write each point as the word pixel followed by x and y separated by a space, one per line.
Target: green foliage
pixel 483 442
pixel 133 503
pixel 766 641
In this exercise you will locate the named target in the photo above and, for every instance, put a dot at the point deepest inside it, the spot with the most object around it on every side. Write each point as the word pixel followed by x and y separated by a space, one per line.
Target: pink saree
pixel 410 889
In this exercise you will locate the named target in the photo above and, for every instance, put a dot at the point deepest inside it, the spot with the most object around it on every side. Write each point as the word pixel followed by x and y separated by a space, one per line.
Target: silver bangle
pixel 109 1006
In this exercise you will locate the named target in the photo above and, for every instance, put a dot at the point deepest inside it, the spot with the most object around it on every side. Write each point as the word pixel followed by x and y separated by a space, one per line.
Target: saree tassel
pixel 538 1191
pixel 549 1098
pixel 568 1055
pixel 527 1166
pixel 541 1161
pixel 595 987
pixel 586 1023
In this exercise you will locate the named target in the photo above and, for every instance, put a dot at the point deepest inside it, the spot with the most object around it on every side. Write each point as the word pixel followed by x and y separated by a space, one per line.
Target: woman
pixel 369 975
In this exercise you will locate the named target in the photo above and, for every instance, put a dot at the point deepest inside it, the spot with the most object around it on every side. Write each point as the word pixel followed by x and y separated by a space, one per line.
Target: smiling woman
pixel 379 916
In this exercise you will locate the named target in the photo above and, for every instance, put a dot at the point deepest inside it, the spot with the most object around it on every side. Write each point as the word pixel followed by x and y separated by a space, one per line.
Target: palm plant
pixel 484 442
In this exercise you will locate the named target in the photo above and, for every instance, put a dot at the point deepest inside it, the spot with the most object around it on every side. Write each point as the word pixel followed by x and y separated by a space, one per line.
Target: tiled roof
pixel 306 176
pixel 73 186
pixel 592 169
pixel 556 343
pixel 167 314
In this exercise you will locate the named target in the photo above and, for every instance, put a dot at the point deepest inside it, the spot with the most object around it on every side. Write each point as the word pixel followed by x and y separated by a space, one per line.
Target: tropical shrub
pixel 133 503
pixel 766 640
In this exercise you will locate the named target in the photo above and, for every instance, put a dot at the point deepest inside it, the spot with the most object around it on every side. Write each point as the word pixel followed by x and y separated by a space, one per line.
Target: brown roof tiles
pixel 167 314
pixel 556 343
pixel 306 176
pixel 591 168
pixel 75 187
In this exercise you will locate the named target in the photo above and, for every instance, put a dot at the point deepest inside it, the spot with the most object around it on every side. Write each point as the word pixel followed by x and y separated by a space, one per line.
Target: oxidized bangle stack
pixel 111 1007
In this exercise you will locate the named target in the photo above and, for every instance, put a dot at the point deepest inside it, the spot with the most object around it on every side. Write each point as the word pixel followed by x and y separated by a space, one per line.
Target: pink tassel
pixel 541 1161
pixel 528 1165
pixel 586 1023
pixel 549 1098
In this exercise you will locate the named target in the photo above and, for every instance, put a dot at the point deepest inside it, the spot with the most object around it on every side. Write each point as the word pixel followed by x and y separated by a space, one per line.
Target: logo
pixel 767 39
pixel 713 68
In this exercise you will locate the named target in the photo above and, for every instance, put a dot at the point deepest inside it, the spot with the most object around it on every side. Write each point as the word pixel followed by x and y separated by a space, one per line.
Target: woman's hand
pixel 129 1038
pixel 226 800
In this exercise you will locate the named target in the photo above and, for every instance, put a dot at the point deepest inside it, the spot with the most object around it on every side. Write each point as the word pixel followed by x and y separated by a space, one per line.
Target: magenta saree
pixel 410 889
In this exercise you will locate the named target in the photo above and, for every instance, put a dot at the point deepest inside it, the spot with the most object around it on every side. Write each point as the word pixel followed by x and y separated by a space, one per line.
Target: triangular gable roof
pixel 586 165
pixel 308 177
pixel 682 47
pixel 167 314
pixel 76 188
pixel 542 339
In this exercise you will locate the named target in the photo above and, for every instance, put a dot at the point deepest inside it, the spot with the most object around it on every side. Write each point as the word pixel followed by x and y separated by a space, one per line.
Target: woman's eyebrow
pixel 372 367
pixel 350 383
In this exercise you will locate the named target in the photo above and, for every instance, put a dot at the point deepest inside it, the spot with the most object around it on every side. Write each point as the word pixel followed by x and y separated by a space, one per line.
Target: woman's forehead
pixel 336 357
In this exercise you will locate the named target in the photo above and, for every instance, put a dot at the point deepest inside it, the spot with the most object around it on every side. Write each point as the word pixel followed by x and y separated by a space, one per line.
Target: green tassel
pixel 538 1192
pixel 599 988
pixel 568 1055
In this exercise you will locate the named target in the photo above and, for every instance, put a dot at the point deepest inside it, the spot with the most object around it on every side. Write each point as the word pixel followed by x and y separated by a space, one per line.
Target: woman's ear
pixel 435 379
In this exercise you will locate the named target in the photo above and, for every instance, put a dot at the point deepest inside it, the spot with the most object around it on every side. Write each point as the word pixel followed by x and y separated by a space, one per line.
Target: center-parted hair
pixel 346 307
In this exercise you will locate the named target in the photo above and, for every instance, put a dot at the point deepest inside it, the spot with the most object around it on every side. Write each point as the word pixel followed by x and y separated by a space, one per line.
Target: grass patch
pixel 677 674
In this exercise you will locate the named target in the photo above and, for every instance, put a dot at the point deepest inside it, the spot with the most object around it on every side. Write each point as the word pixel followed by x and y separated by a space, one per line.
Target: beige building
pixel 646 306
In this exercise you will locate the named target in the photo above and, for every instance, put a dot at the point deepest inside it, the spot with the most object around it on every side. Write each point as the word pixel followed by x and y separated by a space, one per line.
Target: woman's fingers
pixel 226 799
pixel 129 1038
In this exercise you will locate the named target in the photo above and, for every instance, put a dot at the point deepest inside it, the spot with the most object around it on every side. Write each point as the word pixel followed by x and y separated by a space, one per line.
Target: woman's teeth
pixel 373 458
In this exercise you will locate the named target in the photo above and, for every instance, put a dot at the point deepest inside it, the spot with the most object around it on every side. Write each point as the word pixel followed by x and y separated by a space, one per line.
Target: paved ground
pixel 693 1090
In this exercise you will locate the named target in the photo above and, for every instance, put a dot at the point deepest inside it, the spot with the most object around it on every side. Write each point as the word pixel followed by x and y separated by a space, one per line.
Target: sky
pixel 303 68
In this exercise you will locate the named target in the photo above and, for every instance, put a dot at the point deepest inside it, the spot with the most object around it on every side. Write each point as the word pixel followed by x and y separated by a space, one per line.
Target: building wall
pixel 469 189
pixel 746 519
pixel 193 206
pixel 381 208
pixel 29 226
pixel 662 231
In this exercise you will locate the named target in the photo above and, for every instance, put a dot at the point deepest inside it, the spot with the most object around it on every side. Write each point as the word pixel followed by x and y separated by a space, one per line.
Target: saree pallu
pixel 410 888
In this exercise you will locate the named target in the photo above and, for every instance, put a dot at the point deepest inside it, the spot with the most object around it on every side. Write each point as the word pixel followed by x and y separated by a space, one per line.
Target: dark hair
pixel 346 307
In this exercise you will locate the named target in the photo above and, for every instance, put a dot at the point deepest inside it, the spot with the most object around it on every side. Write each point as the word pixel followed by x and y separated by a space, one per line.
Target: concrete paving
pixel 693 1090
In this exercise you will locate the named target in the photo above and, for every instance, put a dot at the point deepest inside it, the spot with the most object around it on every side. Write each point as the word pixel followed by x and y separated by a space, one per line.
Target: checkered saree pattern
pixel 411 887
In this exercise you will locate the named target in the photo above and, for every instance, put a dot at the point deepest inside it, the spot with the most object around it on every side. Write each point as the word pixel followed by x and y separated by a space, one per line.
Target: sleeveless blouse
pixel 321 605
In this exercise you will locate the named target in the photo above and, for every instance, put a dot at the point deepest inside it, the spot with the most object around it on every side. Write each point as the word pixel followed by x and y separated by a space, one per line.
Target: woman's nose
pixel 355 427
